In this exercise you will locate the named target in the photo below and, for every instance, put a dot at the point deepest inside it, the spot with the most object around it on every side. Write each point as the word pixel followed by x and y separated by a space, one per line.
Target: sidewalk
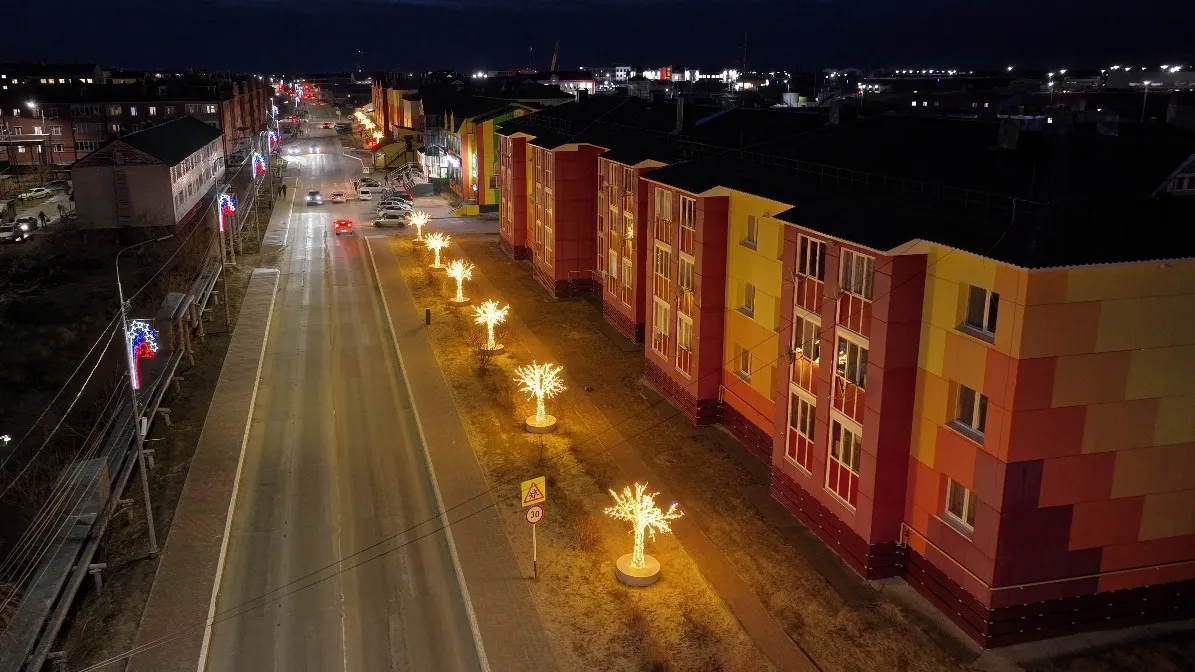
pixel 506 616
pixel 723 576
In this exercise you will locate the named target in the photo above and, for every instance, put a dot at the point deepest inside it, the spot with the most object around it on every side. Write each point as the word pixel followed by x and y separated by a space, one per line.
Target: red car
pixel 343 226
pixel 327 125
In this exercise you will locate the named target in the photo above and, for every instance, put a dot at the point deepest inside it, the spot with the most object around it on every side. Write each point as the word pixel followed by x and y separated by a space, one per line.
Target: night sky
pixel 317 35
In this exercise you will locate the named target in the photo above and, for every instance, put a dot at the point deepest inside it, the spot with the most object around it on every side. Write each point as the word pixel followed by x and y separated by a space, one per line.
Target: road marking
pixel 236 482
pixel 431 471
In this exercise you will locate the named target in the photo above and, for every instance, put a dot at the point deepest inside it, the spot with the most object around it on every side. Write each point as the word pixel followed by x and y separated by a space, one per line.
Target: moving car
pixel 314 149
pixel 327 125
pixel 14 232
pixel 343 226
pixel 370 182
pixel 338 197
pixel 28 223
pixel 314 198
pixel 391 219
pixel 36 192
pixel 364 194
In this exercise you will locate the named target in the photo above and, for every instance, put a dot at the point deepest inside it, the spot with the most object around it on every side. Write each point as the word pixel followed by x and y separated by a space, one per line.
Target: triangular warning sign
pixel 533 494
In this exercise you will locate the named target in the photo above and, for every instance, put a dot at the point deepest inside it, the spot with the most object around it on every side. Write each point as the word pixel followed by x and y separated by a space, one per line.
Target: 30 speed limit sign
pixel 535 514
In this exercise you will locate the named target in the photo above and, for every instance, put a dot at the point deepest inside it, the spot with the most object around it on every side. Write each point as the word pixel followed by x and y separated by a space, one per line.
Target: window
pixel 613 268
pixel 116 128
pixel 628 273
pixel 743 361
pixel 856 273
pixel 210 109
pixel 37 130
pixel 16 111
pixel 663 262
pixel 86 145
pixel 751 239
pixel 684 333
pixel 807 338
pixel 684 274
pixel 799 448
pixel 133 111
pixel 842 469
pixel 192 108
pixel 659 326
pixel 628 180
pixel 852 362
pixel 58 148
pixel 21 149
pixel 688 212
pixel 811 258
pixel 153 111
pixel 664 204
pixel 16 130
pixel 168 111
pixel 50 112
pixel 960 503
pixel 971 410
pixel 114 110
pixel 982 309
pixel 55 130
pixel 748 306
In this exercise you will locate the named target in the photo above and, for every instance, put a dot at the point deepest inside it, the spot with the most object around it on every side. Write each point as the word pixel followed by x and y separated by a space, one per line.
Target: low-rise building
pixel 150 178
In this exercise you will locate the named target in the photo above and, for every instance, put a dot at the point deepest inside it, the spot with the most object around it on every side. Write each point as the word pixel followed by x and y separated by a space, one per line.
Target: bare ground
pixel 592 621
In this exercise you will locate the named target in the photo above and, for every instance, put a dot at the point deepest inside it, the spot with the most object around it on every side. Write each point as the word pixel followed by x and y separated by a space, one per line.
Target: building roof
pixel 164 90
pixel 47 69
pixel 174 140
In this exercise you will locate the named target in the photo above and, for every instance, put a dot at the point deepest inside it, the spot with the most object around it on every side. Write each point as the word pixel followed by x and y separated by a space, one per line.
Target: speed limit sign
pixel 535 514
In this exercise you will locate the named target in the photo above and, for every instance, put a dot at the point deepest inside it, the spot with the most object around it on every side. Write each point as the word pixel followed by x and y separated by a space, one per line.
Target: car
pixel 391 200
pixel 28 223
pixel 36 192
pixel 14 232
pixel 314 198
pixel 314 149
pixel 364 194
pixel 394 210
pixel 396 196
pixel 58 185
pixel 391 219
pixel 327 125
pixel 343 226
pixel 367 182
pixel 337 197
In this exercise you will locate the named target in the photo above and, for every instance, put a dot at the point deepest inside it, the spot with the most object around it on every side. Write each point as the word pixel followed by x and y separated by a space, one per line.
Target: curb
pixel 456 563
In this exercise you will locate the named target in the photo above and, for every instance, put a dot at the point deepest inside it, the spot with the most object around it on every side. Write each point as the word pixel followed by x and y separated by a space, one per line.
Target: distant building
pixel 568 81
pixel 26 74
pixel 151 178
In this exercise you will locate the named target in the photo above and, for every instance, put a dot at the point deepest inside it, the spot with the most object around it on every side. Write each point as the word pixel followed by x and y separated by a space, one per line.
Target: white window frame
pixel 661 318
pixel 686 267
pixel 966 516
pixel 751 236
pixel 684 332
pixel 798 395
pixel 807 335
pixel 210 109
pixel 664 204
pixel 849 263
pixel 972 419
pixel 988 320
pixel 845 425
pixel 741 371
pixel 814 265
pixel 628 272
pixel 688 212
pixel 861 371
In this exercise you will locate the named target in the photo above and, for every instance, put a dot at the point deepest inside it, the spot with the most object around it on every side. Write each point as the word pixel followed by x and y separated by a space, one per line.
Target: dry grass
pixel 592 621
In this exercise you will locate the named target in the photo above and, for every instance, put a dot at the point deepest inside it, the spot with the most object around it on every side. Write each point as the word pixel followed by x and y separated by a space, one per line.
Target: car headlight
pixel 24 227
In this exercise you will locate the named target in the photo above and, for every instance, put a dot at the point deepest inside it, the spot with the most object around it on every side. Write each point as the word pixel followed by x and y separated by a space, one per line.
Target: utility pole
pixel 130 358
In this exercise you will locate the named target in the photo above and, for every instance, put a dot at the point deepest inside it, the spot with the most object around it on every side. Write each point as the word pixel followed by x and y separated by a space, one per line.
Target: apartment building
pixel 58 125
pixel 151 178
pixel 1004 420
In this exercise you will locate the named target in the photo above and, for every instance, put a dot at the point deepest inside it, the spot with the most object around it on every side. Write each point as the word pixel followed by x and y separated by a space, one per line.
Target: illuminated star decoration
pixel 259 164
pixel 639 507
pixel 143 342
pixel 490 314
pixel 460 271
pixel 419 220
pixel 540 381
pixel 436 242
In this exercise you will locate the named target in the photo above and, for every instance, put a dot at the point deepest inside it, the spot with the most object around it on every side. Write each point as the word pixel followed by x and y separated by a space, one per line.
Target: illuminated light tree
pixel 460 271
pixel 436 242
pixel 142 344
pixel 490 315
pixel 540 382
pixel 419 219
pixel 639 508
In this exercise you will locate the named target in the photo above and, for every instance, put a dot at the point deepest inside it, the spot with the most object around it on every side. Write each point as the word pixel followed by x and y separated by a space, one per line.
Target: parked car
pixel 395 203
pixel 314 198
pixel 370 182
pixel 327 125
pixel 36 192
pixel 391 219
pixel 343 226
pixel 364 194
pixel 338 197
pixel 394 210
pixel 59 185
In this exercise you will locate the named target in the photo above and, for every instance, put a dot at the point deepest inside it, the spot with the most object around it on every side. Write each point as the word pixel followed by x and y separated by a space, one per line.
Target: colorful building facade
pixel 623 222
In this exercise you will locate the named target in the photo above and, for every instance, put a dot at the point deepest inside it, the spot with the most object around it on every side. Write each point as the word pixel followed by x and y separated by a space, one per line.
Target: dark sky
pixel 312 35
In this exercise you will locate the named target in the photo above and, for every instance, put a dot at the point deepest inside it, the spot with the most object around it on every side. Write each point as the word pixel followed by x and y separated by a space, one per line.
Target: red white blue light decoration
pixel 142 343
pixel 273 139
pixel 228 207
pixel 259 164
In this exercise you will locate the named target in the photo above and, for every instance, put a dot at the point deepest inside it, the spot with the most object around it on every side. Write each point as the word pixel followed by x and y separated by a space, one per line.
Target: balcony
pixel 804 374
pixel 663 229
pixel 687 235
pixel 854 313
pixel 849 399
pixel 809 293
pixel 799 450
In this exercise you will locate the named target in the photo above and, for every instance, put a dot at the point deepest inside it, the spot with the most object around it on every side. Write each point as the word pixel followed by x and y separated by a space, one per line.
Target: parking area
pixel 39 210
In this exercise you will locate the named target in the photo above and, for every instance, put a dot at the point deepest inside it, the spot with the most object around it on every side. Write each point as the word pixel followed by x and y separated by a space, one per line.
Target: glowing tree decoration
pixel 639 508
pixel 490 315
pixel 540 381
pixel 460 271
pixel 142 343
pixel 436 242
pixel 419 219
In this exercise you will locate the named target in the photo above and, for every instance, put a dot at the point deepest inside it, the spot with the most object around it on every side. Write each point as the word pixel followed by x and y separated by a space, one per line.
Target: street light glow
pixel 639 508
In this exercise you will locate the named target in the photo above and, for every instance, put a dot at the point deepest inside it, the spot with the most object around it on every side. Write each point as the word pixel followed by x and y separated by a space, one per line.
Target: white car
pixel 364 195
pixel 394 210
pixel 36 192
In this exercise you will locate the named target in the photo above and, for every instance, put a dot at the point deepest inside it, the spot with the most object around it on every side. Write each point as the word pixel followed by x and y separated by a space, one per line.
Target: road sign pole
pixel 534 559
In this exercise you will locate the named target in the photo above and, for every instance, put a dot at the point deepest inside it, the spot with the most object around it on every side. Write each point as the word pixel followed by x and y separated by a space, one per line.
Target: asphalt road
pixel 334 465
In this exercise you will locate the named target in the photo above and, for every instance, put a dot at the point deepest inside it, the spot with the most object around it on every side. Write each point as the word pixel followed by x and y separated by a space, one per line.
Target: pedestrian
pixel 356 185
pixel 284 190
pixel 41 216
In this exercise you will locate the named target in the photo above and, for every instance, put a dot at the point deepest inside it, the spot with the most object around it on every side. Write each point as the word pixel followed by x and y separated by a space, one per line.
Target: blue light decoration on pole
pixel 228 207
pixel 142 343
pixel 259 165
pixel 273 139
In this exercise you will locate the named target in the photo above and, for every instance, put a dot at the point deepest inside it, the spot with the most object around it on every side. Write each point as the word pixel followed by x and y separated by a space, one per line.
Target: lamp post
pixel 1144 97
pixel 133 385
pixel 45 129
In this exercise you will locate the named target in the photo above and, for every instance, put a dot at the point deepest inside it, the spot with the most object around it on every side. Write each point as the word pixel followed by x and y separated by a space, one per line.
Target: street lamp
pixel 34 106
pixel 134 384
pixel 1144 97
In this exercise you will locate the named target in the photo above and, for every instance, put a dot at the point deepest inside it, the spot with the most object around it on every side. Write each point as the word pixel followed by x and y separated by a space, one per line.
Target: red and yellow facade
pixel 478 160
pixel 623 216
